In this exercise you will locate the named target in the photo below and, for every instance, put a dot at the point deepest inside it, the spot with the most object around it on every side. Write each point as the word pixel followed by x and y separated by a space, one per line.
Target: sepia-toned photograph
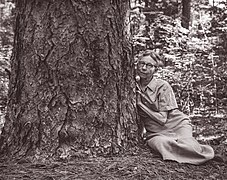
pixel 113 89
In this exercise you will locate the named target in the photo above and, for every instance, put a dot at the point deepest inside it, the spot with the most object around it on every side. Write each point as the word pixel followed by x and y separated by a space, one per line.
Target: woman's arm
pixel 158 116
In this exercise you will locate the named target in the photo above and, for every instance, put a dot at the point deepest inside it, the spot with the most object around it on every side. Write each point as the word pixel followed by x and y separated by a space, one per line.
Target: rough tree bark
pixel 71 85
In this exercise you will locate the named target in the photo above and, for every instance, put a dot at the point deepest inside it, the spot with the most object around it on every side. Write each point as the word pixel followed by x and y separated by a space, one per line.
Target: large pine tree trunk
pixel 71 85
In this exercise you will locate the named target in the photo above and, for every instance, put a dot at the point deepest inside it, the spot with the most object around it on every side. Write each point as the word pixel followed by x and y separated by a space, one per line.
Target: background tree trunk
pixel 186 13
pixel 71 85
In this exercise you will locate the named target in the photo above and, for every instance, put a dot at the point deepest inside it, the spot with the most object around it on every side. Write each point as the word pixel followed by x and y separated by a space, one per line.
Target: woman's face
pixel 146 67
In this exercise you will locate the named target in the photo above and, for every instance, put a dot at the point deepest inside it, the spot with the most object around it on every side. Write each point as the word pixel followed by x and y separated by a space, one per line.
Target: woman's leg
pixel 183 150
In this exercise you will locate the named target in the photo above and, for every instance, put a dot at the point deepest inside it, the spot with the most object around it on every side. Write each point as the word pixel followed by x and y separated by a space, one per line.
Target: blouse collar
pixel 152 84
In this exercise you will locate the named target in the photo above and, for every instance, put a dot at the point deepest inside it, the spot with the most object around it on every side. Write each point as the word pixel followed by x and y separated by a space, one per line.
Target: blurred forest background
pixel 195 55
pixel 194 49
pixel 6 45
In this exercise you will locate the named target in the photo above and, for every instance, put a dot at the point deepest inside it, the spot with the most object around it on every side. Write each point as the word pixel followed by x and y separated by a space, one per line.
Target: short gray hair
pixel 155 56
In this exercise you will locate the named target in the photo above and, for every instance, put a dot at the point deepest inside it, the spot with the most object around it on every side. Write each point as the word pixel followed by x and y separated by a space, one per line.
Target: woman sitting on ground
pixel 168 130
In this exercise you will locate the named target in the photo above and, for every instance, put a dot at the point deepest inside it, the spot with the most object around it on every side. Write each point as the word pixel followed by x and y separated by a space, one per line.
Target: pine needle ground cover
pixel 140 164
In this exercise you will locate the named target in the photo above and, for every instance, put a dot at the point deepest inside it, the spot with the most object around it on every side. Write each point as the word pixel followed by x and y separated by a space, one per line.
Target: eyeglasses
pixel 148 65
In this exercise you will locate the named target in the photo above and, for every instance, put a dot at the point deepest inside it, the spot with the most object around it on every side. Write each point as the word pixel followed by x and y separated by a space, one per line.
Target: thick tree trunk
pixel 71 88
pixel 186 13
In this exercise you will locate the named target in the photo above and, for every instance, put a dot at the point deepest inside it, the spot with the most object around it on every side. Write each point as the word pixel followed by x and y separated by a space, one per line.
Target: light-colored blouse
pixel 159 96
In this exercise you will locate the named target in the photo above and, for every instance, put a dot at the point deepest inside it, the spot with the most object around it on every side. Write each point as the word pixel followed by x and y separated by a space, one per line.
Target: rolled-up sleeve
pixel 167 100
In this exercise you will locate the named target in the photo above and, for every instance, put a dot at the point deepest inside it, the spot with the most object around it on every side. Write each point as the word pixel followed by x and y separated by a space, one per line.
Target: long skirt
pixel 180 146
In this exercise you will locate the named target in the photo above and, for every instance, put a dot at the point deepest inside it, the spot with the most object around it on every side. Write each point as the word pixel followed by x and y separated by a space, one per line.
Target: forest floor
pixel 142 165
